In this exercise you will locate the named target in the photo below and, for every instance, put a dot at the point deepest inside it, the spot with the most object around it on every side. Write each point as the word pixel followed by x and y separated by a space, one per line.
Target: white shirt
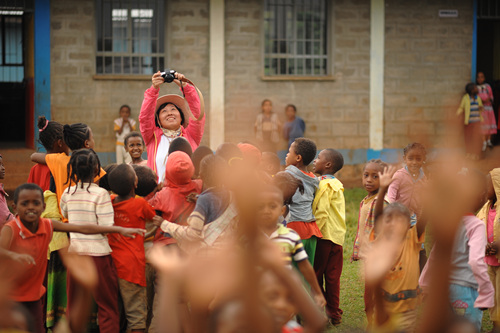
pixel 161 158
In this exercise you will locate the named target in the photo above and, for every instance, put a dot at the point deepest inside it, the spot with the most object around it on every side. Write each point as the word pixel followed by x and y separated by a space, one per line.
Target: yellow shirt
pixel 329 209
pixel 400 288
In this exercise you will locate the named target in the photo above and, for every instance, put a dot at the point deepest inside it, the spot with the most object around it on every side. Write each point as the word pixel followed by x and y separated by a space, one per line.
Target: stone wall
pixel 78 97
pixel 427 64
pixel 336 112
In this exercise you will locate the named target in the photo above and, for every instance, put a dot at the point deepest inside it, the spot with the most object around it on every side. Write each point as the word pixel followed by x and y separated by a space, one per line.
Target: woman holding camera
pixel 162 119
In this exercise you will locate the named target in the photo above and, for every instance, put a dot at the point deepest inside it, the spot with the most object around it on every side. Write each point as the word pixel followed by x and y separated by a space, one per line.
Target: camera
pixel 168 75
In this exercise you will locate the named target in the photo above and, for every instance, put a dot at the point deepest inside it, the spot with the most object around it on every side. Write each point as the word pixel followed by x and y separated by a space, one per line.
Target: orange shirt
pixel 128 253
pixel 40 175
pixel 58 165
pixel 28 283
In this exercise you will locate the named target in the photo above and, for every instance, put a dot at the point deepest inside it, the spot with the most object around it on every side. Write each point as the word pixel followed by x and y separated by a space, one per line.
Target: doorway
pixel 488 48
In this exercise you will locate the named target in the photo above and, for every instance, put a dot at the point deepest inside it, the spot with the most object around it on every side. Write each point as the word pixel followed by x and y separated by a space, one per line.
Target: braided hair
pixel 414 145
pixel 75 135
pixel 50 132
pixel 378 161
pixel 83 166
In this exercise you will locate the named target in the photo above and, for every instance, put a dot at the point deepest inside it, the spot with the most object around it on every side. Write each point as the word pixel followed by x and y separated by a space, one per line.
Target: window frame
pixel 130 76
pixel 309 77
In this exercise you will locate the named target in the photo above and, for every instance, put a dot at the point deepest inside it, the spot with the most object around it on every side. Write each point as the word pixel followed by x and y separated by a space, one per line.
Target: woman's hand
pixel 157 80
pixel 180 79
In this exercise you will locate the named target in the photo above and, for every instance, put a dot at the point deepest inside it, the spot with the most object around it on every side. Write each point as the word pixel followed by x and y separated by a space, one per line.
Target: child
pixel 76 136
pixel 270 163
pixel 490 214
pixel 329 210
pixel 134 146
pixel 489 125
pixel 123 126
pixel 213 214
pixel 51 138
pixel 25 240
pixel 294 127
pixel 146 184
pixel 128 254
pixel 407 184
pixel 267 128
pixel 470 288
pixel 87 203
pixel 301 218
pixel 471 107
pixel 5 214
pixel 270 209
pixel 173 199
pixel 197 156
pixel 366 217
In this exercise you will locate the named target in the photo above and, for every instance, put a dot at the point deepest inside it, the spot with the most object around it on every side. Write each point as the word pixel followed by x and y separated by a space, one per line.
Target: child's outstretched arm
pixel 308 272
pixel 90 229
pixel 38 158
pixel 385 179
pixel 192 232
pixel 5 240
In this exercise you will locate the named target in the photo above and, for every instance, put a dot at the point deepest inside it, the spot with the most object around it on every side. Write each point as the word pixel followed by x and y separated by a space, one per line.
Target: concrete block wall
pixel 427 64
pixel 336 112
pixel 78 97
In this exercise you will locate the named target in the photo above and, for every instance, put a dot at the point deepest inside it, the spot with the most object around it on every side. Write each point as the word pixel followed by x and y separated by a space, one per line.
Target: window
pixel 130 36
pixel 295 37
pixel 11 46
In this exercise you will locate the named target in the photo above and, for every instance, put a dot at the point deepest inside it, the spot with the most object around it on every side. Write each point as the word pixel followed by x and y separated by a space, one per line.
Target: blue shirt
pixel 294 129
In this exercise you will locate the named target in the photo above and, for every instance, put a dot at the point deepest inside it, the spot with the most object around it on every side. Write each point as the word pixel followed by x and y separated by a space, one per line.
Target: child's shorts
pixel 134 302
pixel 462 301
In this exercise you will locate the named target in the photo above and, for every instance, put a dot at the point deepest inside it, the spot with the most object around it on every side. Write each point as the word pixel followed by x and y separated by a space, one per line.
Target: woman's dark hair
pixel 75 135
pixel 133 135
pixel 50 132
pixel 157 121
pixel 414 145
pixel 470 87
pixel 29 187
pixel 291 106
pixel 83 166
pixel 197 156
pixel 180 144
pixel 125 106
pixel 147 180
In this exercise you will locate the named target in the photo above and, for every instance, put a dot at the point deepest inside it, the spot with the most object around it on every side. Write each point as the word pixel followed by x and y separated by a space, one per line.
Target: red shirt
pixel 40 175
pixel 28 283
pixel 128 253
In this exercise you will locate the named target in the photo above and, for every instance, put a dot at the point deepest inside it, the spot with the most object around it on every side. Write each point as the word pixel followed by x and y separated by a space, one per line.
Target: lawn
pixel 351 285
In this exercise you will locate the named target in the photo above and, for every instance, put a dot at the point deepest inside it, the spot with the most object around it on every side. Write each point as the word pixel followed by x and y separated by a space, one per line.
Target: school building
pixel 367 76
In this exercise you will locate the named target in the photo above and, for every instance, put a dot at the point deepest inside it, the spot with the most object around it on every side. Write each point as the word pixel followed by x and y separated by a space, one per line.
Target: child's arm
pixel 193 231
pixel 308 272
pixel 38 158
pixel 476 233
pixel 5 240
pixel 385 179
pixel 90 229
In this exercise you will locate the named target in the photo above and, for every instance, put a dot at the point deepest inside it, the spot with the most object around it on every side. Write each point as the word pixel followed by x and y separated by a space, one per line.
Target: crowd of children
pixel 229 241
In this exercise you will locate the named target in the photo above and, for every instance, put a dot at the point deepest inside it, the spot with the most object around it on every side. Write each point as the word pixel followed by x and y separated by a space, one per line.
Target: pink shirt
pixel 5 214
pixel 405 190
pixel 491 260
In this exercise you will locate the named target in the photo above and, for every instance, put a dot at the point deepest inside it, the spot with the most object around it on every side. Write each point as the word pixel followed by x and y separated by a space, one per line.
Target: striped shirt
pixel 289 243
pixel 88 207
pixel 475 115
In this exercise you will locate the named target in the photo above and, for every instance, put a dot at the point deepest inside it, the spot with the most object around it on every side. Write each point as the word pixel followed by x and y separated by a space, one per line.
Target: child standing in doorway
pixel 123 126
pixel 471 107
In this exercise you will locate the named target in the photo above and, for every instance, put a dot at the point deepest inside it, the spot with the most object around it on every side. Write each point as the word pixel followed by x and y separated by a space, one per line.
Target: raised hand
pixel 180 79
pixel 385 176
pixel 157 80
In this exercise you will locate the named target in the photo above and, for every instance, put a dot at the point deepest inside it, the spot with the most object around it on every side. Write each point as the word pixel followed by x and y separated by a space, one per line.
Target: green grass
pixel 351 284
